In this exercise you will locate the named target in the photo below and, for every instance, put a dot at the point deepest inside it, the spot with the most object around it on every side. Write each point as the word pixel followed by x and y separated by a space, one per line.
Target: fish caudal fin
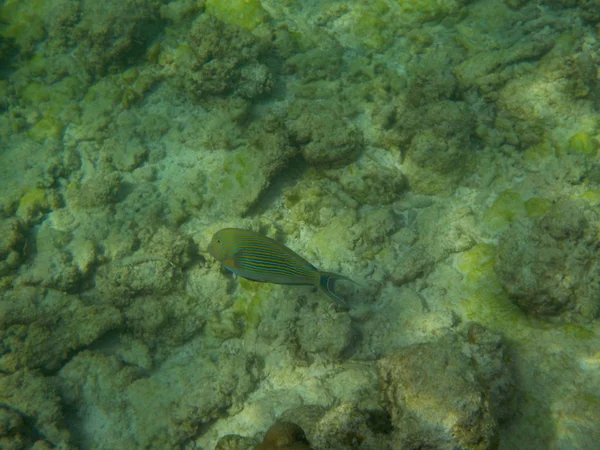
pixel 327 282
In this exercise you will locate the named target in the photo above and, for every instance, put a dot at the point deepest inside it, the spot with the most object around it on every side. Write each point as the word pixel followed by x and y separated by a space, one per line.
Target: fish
pixel 259 258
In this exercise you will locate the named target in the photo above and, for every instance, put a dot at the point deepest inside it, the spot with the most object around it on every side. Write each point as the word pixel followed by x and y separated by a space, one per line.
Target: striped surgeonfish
pixel 256 257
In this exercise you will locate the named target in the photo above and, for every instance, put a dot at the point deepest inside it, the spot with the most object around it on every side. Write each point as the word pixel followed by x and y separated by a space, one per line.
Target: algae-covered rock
pixel 162 410
pixel 440 145
pixel 41 328
pixel 140 277
pixel 327 335
pixel 152 270
pixel 21 22
pixel 98 36
pixel 89 379
pixel 11 430
pixel 326 138
pixel 218 59
pixel 125 155
pixel 430 78
pixel 427 10
pixel 33 204
pixel 410 263
pixel 100 190
pixel 548 265
pixel 372 232
pixel 247 14
pixel 486 69
pixel 60 261
pixel 347 425
pixel 449 393
pixel 316 63
pixel 12 244
pixel 114 33
pixel 235 442
pixel 590 10
pixel 245 173
pixel 371 182
pixel 31 412
pixel 532 107
pixel 493 54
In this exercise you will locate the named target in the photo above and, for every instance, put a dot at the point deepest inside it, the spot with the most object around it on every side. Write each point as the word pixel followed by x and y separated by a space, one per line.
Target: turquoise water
pixel 442 154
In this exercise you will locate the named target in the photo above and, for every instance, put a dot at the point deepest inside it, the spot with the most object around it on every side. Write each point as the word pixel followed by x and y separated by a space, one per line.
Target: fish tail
pixel 326 283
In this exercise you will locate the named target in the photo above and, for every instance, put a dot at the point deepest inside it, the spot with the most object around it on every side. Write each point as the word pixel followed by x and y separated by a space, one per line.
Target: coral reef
pixel 442 153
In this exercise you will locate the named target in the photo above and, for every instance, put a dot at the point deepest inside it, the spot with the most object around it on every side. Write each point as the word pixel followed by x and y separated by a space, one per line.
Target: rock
pixel 31 411
pixel 12 244
pixel 448 393
pixel 325 137
pixel 548 266
pixel 218 59
pixel 440 141
pixel 327 335
pixel 41 328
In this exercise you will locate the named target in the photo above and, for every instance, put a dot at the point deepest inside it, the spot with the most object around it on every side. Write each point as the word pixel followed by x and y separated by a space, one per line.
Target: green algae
pixel 430 9
pixel 239 170
pixel 485 300
pixel 249 304
pixel 56 104
pixel 577 331
pixel 248 14
pixel 591 197
pixel 46 128
pixel 54 97
pixel 36 92
pixel 507 207
pixel 582 143
pixel 477 263
pixel 33 203
pixel 106 93
pixel 184 55
pixel 20 21
pixel 495 311
pixel 371 25
pixel 538 153
pixel 536 207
